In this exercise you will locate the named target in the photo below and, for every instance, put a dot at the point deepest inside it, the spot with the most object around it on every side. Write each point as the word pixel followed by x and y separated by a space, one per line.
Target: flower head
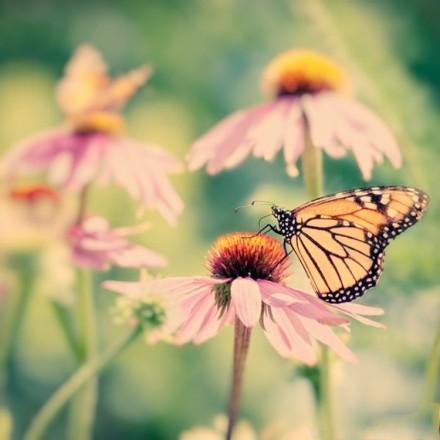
pixel 32 217
pixel 92 145
pixel 309 103
pixel 302 71
pixel 140 304
pixel 247 281
pixel 94 244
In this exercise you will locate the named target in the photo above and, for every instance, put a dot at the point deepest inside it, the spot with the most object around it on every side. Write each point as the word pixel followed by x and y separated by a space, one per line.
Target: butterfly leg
pixel 287 253
pixel 264 229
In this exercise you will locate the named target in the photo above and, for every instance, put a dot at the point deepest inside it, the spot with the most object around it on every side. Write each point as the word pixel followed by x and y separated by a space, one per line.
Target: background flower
pixel 93 145
pixel 94 244
pixel 309 104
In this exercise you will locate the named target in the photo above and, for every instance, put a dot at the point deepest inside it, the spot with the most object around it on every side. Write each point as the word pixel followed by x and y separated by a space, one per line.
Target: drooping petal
pixel 294 137
pixel 181 286
pixel 284 337
pixel 303 303
pixel 246 300
pixel 94 244
pixel 267 135
pixel 326 335
pixel 360 309
pixel 195 317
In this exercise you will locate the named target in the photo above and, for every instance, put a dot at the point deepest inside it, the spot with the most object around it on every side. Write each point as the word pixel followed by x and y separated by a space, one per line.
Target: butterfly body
pixel 340 239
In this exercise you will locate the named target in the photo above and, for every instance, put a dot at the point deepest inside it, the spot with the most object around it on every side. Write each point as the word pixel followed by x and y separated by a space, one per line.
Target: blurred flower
pixel 139 304
pixel 94 244
pixel 243 431
pixel 310 102
pixel 92 145
pixel 247 281
pixel 32 216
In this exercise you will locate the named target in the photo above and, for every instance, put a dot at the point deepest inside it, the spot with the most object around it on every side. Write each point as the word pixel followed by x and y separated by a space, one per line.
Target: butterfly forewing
pixel 340 239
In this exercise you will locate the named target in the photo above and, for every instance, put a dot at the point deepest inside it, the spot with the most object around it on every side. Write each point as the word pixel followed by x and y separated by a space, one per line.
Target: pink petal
pixel 267 133
pixel 182 286
pixel 246 300
pixel 284 338
pixel 228 146
pixel 210 326
pixel 294 138
pixel 360 309
pixel 282 296
pixel 327 336
pixel 194 318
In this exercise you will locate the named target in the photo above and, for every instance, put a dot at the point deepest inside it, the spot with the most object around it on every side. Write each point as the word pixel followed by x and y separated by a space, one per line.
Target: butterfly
pixel 87 87
pixel 340 239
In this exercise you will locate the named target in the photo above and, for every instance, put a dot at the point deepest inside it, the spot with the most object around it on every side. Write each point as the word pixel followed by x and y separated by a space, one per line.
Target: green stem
pixel 15 310
pixel 326 404
pixel 64 319
pixel 79 379
pixel 312 168
pixel 320 14
pixel 83 406
pixel 432 377
pixel 242 337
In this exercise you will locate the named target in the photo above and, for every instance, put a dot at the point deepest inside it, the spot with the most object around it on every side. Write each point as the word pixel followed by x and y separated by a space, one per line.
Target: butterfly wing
pixel 84 80
pixel 122 88
pixel 341 238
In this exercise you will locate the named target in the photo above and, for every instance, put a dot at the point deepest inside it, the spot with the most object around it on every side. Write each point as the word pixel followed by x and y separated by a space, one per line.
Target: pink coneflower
pixel 246 282
pixel 247 286
pixel 92 144
pixel 310 103
pixel 95 245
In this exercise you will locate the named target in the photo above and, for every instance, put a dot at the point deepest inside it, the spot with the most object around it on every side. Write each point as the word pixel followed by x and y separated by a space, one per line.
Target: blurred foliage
pixel 207 58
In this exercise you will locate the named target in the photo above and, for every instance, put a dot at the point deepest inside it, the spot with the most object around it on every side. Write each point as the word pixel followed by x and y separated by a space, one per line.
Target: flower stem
pixel 82 410
pixel 64 319
pixel 242 338
pixel 312 168
pixel 88 371
pixel 15 310
pixel 432 378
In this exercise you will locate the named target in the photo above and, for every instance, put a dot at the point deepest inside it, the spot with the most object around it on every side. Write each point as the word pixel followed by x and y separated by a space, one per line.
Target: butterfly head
pixel 286 221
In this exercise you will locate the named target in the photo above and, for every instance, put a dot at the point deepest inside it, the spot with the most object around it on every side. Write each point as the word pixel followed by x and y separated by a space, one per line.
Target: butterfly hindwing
pixel 341 259
pixel 340 239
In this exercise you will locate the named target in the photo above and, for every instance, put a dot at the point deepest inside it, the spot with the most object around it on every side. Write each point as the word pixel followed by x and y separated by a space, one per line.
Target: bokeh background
pixel 207 57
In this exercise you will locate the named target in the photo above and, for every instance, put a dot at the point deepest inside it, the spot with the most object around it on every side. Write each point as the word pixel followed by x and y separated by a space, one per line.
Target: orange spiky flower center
pixel 34 193
pixel 301 71
pixel 244 254
pixel 97 122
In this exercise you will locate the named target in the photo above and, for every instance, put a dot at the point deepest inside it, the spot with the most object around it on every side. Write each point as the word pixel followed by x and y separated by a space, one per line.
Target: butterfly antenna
pixel 252 204
pixel 262 218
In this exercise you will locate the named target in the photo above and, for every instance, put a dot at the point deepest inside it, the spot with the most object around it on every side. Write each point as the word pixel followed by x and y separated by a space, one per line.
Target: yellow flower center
pixel 98 122
pixel 244 254
pixel 300 71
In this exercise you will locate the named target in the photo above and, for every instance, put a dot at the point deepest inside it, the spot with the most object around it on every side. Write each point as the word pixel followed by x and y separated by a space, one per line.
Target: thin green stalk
pixel 63 317
pixel 83 406
pixel 312 168
pixel 89 371
pixel 432 378
pixel 15 310
pixel 242 337
pixel 326 405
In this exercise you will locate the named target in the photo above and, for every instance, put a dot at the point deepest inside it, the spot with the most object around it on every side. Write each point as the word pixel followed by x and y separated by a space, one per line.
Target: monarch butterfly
pixel 87 87
pixel 340 239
